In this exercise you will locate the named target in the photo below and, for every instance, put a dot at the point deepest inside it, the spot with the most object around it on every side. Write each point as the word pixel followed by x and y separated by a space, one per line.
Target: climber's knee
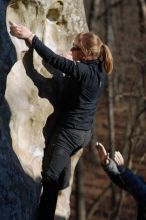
pixel 49 178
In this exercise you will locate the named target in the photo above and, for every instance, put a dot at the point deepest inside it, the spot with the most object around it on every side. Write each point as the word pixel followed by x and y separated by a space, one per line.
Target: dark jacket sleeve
pixel 69 67
pixel 135 185
pixel 128 181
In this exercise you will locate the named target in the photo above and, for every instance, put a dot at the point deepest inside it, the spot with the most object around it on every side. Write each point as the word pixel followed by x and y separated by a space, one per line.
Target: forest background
pixel 120 122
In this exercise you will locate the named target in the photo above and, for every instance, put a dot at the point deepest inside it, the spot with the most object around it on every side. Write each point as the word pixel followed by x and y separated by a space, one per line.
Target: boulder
pixel 30 99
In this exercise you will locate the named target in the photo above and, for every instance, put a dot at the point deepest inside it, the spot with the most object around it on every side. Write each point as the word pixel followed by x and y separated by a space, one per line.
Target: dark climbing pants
pixel 65 143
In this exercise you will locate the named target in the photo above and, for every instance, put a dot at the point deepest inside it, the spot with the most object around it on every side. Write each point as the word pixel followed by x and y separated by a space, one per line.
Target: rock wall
pixel 29 100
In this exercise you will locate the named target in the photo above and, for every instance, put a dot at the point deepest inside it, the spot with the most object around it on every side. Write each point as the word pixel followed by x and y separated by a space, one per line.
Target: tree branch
pixel 97 202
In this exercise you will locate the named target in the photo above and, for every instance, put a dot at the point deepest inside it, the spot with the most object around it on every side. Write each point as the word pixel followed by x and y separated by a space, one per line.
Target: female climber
pixel 91 62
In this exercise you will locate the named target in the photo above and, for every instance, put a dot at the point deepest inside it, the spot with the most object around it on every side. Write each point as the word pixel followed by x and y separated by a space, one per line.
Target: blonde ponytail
pixel 107 58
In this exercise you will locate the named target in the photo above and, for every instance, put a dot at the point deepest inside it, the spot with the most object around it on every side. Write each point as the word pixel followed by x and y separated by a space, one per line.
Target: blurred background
pixel 120 122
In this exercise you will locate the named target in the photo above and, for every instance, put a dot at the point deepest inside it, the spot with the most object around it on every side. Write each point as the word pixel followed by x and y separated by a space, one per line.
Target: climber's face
pixel 77 53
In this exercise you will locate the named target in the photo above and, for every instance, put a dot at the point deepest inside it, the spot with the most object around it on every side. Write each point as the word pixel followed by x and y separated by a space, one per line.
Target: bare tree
pixel 80 199
pixel 142 15
pixel 109 40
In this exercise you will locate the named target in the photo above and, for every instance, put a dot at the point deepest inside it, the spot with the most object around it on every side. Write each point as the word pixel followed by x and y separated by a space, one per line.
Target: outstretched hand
pixel 118 158
pixel 103 155
pixel 20 31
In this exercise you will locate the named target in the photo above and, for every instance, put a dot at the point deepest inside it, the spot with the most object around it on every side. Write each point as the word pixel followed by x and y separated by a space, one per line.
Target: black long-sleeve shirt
pixel 86 80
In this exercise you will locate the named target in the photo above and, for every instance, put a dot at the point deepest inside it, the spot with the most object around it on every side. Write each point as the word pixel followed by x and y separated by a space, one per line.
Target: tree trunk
pixel 142 15
pixel 142 28
pixel 80 200
pixel 109 41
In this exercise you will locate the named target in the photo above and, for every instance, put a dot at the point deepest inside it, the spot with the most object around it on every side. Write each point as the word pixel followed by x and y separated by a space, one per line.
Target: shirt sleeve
pixel 111 167
pixel 73 68
pixel 114 174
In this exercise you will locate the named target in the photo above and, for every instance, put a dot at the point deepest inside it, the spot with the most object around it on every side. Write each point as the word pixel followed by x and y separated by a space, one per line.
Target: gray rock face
pixel 29 97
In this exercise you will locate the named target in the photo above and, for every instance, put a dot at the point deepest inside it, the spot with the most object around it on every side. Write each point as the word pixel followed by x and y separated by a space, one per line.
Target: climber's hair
pixel 91 45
